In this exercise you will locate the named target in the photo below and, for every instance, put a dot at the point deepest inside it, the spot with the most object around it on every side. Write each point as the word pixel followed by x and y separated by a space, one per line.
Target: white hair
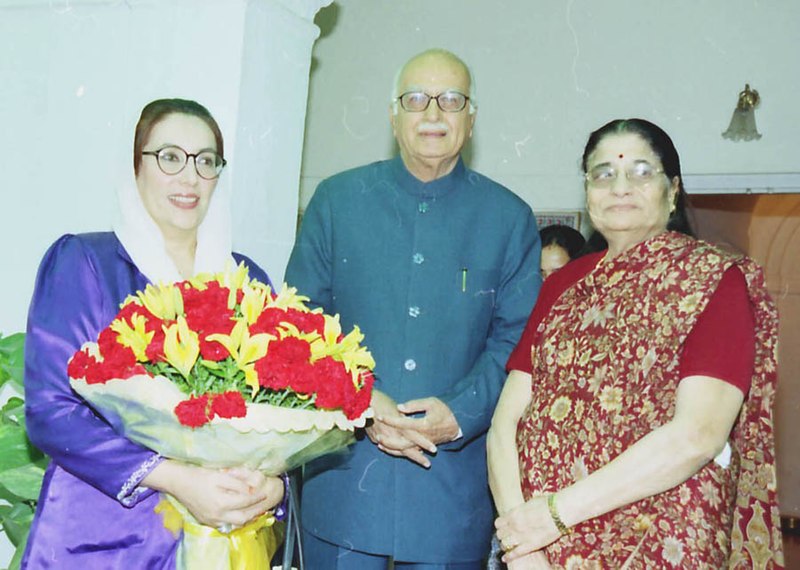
pixel 473 103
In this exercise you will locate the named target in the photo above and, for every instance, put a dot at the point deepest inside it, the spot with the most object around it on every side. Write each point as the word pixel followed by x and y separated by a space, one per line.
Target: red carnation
pixel 80 363
pixel 207 313
pixel 118 361
pixel 291 350
pixel 107 341
pixel 358 401
pixel 129 310
pixel 229 405
pixel 155 350
pixel 272 317
pixel 194 412
pixel 268 321
pixel 307 322
pixel 332 381
pixel 212 350
pixel 97 374
pixel 301 379
pixel 285 365
pixel 209 304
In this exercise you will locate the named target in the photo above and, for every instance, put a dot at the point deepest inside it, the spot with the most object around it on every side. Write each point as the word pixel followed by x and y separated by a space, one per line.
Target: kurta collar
pixel 434 188
pixel 123 253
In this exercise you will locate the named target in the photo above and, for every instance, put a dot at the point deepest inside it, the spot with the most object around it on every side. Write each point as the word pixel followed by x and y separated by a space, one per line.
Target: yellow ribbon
pixel 250 547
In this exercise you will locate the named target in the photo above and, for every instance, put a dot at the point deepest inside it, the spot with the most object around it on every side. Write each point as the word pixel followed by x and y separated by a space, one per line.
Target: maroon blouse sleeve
pixel 520 358
pixel 552 289
pixel 722 342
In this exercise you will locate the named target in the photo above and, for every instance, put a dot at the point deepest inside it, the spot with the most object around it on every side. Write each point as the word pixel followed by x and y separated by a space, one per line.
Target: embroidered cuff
pixel 131 493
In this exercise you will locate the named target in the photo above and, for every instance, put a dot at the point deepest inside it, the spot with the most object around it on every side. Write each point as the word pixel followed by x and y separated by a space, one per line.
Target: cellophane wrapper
pixel 269 438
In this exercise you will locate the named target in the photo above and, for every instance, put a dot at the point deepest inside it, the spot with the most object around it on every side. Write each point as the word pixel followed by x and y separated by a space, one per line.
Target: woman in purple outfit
pixel 98 495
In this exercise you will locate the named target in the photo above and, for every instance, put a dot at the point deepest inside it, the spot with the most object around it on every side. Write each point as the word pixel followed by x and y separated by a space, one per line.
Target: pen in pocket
pixel 463 279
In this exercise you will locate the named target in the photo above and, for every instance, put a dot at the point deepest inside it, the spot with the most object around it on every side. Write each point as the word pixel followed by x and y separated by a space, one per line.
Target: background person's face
pixel 554 257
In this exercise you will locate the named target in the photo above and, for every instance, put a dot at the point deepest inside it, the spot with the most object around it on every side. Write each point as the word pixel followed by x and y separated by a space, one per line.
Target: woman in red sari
pixel 635 427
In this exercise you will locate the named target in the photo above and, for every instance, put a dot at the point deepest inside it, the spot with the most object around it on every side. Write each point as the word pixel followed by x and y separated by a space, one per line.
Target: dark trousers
pixel 321 554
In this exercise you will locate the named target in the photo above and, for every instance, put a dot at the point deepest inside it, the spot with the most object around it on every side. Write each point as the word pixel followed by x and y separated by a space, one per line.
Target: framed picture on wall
pixel 571 218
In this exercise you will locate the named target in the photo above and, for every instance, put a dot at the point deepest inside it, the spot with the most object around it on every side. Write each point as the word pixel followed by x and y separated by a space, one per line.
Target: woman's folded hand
pixel 526 529
pixel 217 497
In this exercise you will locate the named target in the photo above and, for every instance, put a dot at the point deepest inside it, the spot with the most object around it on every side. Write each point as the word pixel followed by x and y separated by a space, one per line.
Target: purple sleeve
pixel 254 270
pixel 282 510
pixel 71 302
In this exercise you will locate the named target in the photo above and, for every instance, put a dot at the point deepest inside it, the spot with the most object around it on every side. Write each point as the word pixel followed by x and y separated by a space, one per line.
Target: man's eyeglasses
pixel 172 160
pixel 640 174
pixel 418 101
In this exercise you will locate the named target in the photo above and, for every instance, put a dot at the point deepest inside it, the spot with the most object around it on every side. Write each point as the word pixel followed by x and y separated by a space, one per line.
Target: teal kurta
pixel 441 277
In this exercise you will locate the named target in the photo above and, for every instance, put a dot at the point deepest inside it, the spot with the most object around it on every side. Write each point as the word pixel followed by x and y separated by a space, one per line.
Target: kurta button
pixel 418 258
pixel 413 312
pixel 410 364
pixel 423 207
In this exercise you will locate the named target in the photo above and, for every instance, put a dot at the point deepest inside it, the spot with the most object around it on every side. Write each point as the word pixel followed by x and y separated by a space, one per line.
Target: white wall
pixel 550 72
pixel 74 75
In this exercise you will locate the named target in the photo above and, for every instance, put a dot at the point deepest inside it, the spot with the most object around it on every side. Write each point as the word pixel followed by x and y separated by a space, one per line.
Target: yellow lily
pixel 253 302
pixel 326 345
pixel 346 351
pixel 233 280
pixel 333 329
pixel 288 298
pixel 136 338
pixel 131 299
pixel 287 329
pixel 245 349
pixel 232 341
pixel 181 346
pixel 354 356
pixel 251 377
pixel 252 348
pixel 200 280
pixel 164 301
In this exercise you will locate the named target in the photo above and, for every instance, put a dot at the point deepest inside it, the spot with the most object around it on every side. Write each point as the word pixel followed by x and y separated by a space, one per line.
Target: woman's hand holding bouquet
pixel 218 498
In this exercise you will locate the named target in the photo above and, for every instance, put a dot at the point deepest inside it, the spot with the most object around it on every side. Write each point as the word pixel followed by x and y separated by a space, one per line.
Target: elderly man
pixel 439 266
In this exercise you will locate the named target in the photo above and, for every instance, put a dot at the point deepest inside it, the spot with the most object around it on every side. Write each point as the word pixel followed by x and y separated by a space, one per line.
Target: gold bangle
pixel 551 506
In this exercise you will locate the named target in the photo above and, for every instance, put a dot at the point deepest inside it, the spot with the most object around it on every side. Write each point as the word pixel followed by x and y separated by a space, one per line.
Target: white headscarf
pixel 144 242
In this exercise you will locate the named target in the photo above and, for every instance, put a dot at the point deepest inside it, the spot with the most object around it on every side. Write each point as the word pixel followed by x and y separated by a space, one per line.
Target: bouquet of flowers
pixel 221 371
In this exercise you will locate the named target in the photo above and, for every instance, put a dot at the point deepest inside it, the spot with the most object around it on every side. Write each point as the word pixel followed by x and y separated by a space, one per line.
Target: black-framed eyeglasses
pixel 172 160
pixel 639 174
pixel 418 101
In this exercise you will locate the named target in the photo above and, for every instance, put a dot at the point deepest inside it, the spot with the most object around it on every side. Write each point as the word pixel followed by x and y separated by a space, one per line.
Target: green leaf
pixel 24 481
pixel 8 496
pixel 12 359
pixel 17 449
pixel 21 464
pixel 16 561
pixel 17 522
pixel 13 411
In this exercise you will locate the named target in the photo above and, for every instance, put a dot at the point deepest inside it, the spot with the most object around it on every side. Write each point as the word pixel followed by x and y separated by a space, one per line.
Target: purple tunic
pixel 92 513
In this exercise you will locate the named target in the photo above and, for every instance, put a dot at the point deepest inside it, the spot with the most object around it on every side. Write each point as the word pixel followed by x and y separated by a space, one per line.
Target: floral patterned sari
pixel 605 374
